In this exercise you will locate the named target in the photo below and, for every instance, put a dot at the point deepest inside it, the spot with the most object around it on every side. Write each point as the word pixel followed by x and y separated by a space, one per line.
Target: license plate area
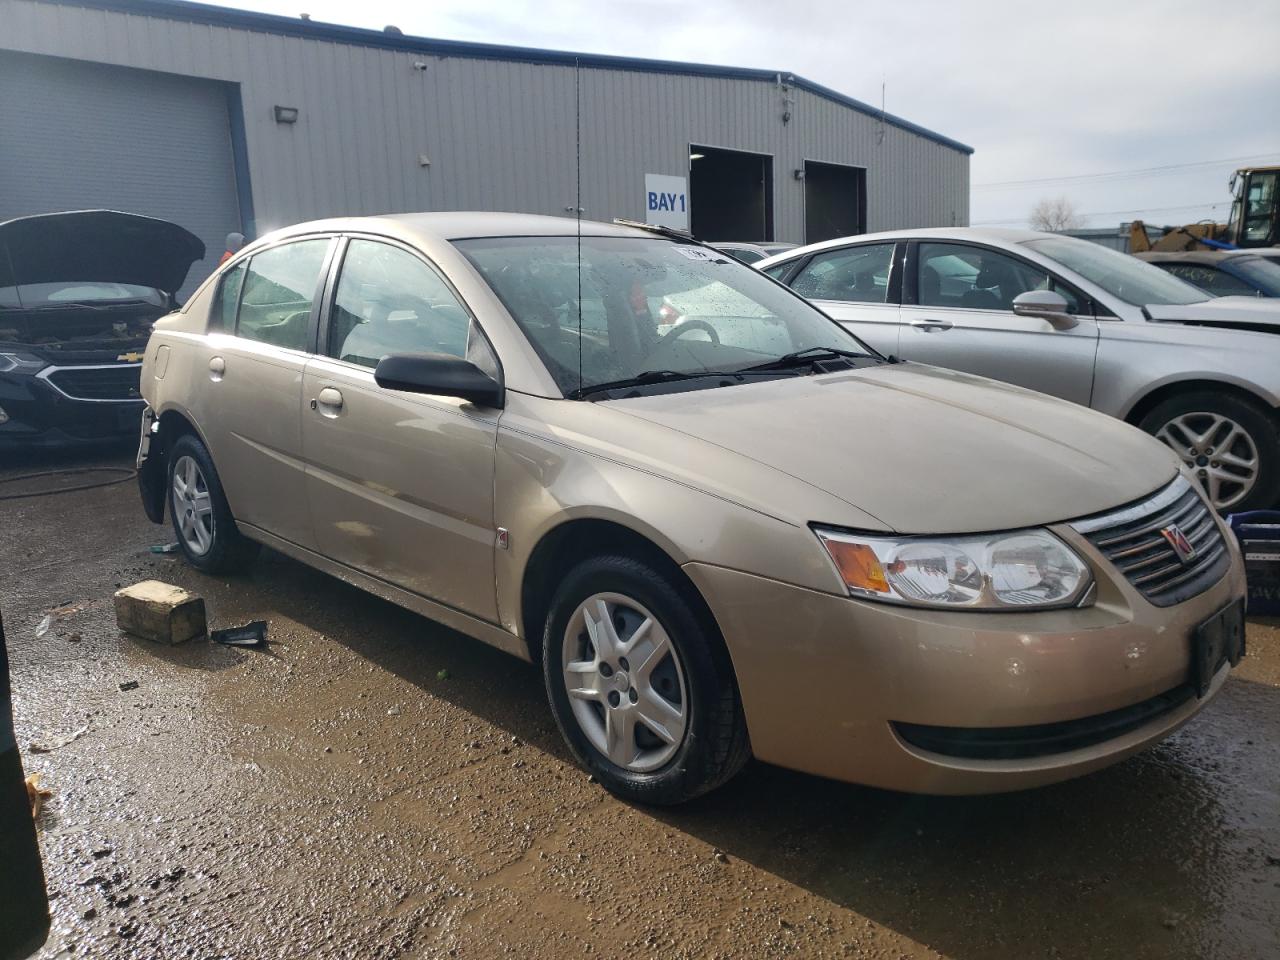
pixel 1219 639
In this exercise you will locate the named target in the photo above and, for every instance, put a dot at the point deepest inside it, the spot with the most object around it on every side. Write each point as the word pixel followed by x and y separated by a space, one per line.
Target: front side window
pixel 979 278
pixel 631 306
pixel 279 289
pixel 855 274
pixel 1132 280
pixel 389 301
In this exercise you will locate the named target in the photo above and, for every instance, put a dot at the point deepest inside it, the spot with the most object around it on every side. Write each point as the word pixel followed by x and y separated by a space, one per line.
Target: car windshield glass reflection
pixel 642 306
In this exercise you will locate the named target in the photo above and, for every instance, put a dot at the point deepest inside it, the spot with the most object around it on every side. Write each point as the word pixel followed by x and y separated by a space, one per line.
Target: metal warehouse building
pixel 228 120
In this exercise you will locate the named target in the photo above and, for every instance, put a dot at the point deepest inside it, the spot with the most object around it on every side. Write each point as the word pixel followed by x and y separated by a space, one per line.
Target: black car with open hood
pixel 79 292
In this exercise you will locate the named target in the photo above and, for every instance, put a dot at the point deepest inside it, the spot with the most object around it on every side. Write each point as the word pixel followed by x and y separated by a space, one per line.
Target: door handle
pixel 328 401
pixel 929 326
pixel 217 367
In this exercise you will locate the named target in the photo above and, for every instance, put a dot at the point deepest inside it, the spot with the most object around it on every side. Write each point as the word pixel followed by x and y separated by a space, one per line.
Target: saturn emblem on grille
pixel 1179 542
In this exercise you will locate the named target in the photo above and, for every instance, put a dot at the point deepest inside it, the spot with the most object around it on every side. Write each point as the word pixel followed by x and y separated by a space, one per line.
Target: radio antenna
pixel 577 198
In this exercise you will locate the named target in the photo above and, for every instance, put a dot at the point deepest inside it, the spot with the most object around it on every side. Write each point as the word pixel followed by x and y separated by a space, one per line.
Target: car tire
pixel 691 675
pixel 1197 423
pixel 202 522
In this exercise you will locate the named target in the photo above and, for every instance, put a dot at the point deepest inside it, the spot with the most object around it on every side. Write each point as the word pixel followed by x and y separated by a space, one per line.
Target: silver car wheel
pixel 192 506
pixel 625 683
pixel 1219 450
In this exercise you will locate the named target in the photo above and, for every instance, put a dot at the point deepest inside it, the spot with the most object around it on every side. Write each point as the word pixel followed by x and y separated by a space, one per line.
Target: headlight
pixel 1020 570
pixel 21 362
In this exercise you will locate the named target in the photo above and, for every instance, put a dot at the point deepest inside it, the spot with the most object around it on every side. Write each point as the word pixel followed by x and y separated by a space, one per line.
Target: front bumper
pixel 824 679
pixel 39 414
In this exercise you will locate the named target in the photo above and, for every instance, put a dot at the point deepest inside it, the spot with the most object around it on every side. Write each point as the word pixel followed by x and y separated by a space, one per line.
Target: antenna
pixel 577 198
pixel 880 132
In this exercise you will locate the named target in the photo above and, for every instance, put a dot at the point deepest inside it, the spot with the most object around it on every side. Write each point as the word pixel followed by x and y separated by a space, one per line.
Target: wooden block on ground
pixel 160 612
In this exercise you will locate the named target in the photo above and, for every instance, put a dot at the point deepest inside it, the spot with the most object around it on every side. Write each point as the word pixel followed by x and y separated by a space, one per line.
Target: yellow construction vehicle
pixel 1254 222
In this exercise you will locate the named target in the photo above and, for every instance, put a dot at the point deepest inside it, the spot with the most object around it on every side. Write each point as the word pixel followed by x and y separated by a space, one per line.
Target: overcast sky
pixel 1039 90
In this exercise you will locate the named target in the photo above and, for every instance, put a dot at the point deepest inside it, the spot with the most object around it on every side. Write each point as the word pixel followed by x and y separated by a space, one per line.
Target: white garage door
pixel 77 135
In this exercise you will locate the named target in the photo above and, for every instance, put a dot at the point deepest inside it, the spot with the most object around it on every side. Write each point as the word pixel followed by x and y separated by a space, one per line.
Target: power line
pixel 1112 213
pixel 1123 174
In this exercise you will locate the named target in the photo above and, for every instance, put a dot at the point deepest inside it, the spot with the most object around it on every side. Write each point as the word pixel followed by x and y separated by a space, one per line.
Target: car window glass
pixel 854 274
pixel 1211 279
pixel 228 298
pixel 778 270
pixel 279 287
pixel 389 301
pixel 979 278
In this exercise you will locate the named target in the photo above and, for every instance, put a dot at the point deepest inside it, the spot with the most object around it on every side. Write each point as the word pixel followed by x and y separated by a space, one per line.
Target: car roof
pixel 1207 257
pixel 461 225
pixel 980 234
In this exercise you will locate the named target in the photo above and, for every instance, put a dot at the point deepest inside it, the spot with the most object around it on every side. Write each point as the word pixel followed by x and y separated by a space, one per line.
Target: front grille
pixel 1042 739
pixel 114 382
pixel 1132 538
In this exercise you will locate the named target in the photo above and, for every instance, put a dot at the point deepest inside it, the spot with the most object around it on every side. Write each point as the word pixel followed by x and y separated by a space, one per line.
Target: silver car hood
pixel 1251 313
pixel 922 449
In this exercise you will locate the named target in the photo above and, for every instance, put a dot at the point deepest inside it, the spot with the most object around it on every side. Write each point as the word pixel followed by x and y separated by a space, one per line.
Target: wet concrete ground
pixel 373 785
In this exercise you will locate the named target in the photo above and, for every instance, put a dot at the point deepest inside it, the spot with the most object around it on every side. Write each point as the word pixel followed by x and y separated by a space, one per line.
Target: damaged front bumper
pixel 152 467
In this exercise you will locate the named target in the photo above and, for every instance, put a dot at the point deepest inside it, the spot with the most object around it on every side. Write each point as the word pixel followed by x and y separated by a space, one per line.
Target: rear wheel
pixel 202 521
pixel 1231 444
pixel 640 683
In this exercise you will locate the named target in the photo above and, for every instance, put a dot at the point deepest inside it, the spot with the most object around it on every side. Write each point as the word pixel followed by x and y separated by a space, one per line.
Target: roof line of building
pixel 189 12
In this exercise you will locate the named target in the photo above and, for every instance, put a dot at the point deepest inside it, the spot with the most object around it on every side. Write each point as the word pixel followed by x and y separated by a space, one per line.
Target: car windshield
pixel 646 306
pixel 1133 281
pixel 29 295
pixel 1263 274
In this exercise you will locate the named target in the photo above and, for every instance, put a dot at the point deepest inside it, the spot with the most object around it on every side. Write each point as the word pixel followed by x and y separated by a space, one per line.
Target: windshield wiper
pixel 651 376
pixel 801 358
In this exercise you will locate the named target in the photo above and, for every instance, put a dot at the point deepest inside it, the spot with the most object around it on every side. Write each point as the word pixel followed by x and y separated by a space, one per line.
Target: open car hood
pixel 99 245
pixel 1246 313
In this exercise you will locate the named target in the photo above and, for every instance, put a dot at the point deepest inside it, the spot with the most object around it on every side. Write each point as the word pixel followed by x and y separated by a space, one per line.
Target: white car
pixel 1076 320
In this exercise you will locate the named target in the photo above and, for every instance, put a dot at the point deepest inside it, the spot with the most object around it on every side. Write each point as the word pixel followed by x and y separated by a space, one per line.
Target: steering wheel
pixel 688 325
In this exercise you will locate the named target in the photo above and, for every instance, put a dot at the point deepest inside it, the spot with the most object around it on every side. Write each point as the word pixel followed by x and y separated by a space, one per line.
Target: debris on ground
pixel 128 685
pixel 49 748
pixel 160 612
pixel 36 795
pixel 164 547
pixel 43 626
pixel 442 675
pixel 252 634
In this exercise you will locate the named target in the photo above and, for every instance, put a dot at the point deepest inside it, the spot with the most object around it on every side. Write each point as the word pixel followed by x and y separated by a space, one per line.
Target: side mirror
pixel 1046 305
pixel 438 374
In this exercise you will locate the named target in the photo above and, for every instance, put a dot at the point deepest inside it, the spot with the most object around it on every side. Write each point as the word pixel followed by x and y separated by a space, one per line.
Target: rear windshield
pixel 1132 280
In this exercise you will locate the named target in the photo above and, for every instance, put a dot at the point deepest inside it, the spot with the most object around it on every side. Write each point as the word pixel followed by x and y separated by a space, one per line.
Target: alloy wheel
pixel 625 683
pixel 192 506
pixel 1219 450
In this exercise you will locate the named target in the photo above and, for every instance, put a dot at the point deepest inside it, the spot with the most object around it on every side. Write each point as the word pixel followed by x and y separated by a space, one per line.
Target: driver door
pixel 958 313
pixel 400 485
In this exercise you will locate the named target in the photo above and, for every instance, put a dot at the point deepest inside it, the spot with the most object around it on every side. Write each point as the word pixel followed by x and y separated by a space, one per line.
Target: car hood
pixel 1248 313
pixel 102 245
pixel 925 450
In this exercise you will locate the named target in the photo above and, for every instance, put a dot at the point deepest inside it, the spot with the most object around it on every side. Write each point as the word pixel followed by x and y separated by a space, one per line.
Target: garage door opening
pixel 835 201
pixel 730 195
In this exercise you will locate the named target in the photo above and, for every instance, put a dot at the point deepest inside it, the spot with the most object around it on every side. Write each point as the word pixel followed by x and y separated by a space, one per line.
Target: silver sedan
pixel 1076 320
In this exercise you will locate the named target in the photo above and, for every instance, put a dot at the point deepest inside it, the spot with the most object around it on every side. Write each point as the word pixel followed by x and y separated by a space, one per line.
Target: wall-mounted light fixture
pixel 798 174
pixel 286 114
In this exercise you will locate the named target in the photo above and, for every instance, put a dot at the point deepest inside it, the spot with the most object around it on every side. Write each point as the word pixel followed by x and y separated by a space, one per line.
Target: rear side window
pixel 855 275
pixel 279 288
pixel 389 301
pixel 224 307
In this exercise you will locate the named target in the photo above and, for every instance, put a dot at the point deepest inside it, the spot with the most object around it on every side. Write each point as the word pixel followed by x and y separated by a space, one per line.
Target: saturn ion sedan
pixel 746 533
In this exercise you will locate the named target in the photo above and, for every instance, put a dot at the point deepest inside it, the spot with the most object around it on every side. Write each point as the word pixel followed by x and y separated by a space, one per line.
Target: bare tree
pixel 1055 214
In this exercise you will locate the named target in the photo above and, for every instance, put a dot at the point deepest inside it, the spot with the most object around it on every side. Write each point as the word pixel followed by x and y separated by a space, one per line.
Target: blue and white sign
pixel 666 201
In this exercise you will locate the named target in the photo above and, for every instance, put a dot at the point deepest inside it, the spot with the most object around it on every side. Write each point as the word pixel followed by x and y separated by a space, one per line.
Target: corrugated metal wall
pixel 499 135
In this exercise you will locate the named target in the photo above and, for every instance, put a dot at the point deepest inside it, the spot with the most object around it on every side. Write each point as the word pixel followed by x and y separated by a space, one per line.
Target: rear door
pixel 859 286
pixel 957 312
pixel 400 485
pixel 269 313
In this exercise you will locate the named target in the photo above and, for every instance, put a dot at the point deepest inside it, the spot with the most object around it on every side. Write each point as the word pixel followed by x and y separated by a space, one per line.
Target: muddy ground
pixel 373 785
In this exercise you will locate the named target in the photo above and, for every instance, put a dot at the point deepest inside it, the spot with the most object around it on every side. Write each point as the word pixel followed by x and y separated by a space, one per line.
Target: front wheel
pixel 1231 444
pixel 640 683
